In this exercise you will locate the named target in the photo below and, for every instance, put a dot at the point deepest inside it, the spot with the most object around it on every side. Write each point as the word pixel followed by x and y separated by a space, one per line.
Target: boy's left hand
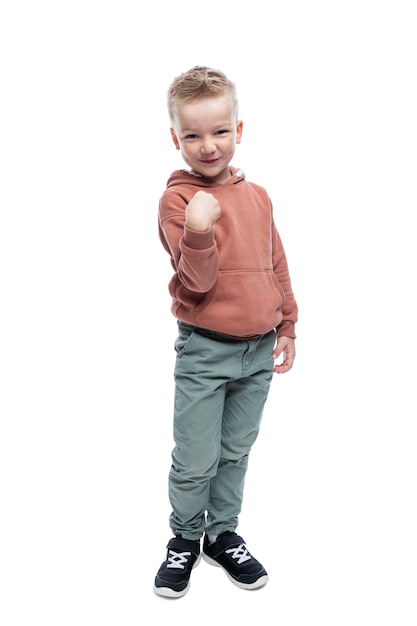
pixel 285 347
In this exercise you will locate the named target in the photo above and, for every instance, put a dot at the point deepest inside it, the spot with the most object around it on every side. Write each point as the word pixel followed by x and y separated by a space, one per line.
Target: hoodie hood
pixel 179 177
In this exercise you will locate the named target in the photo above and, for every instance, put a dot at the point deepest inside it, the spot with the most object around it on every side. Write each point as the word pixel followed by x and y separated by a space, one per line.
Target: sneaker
pixel 173 577
pixel 230 553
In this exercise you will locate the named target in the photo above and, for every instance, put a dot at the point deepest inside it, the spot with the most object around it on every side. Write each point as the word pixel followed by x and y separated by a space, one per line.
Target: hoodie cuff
pixel 286 329
pixel 198 239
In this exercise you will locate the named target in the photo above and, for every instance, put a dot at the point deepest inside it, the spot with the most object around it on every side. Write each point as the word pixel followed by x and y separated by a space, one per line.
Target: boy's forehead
pixel 204 109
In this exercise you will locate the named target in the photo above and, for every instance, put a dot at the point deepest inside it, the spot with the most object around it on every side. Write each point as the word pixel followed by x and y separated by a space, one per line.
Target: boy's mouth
pixel 210 161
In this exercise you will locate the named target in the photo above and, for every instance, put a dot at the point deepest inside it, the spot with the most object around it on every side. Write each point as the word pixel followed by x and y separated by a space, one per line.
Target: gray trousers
pixel 221 388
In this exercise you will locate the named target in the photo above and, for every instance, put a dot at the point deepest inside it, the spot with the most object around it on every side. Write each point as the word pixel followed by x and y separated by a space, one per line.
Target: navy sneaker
pixel 173 577
pixel 230 553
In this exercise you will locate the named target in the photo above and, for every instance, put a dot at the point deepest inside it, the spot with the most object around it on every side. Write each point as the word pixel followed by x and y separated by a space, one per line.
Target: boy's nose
pixel 208 146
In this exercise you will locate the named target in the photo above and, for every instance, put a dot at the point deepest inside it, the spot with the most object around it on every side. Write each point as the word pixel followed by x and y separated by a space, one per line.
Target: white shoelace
pixel 178 559
pixel 240 554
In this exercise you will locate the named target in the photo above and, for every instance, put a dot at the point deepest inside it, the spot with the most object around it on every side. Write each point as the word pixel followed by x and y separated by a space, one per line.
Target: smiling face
pixel 206 131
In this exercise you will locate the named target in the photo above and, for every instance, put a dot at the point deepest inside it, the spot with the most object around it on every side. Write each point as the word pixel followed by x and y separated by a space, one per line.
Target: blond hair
pixel 197 82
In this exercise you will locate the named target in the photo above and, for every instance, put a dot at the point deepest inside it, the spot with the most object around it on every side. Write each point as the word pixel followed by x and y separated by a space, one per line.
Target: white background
pixel 328 97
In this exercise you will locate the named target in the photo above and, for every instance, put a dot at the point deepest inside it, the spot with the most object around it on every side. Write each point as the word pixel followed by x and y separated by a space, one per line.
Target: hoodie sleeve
pixel 194 255
pixel 289 307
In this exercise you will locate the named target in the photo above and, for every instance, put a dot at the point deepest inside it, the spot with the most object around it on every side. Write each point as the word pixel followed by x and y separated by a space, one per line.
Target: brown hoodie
pixel 233 278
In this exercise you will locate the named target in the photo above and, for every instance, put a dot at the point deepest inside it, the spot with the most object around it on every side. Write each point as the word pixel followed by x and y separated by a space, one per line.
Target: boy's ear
pixel 175 139
pixel 239 129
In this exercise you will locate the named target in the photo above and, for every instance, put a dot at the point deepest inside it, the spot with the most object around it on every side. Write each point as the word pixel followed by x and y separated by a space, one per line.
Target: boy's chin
pixel 217 177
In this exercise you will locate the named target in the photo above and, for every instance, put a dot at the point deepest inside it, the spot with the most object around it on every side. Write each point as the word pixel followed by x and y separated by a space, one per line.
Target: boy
pixel 236 313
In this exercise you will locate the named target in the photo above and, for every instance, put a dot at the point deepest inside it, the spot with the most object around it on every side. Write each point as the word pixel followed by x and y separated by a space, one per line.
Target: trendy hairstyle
pixel 197 82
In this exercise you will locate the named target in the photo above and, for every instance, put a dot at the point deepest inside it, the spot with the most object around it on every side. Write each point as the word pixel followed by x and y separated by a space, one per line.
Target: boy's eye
pixel 222 131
